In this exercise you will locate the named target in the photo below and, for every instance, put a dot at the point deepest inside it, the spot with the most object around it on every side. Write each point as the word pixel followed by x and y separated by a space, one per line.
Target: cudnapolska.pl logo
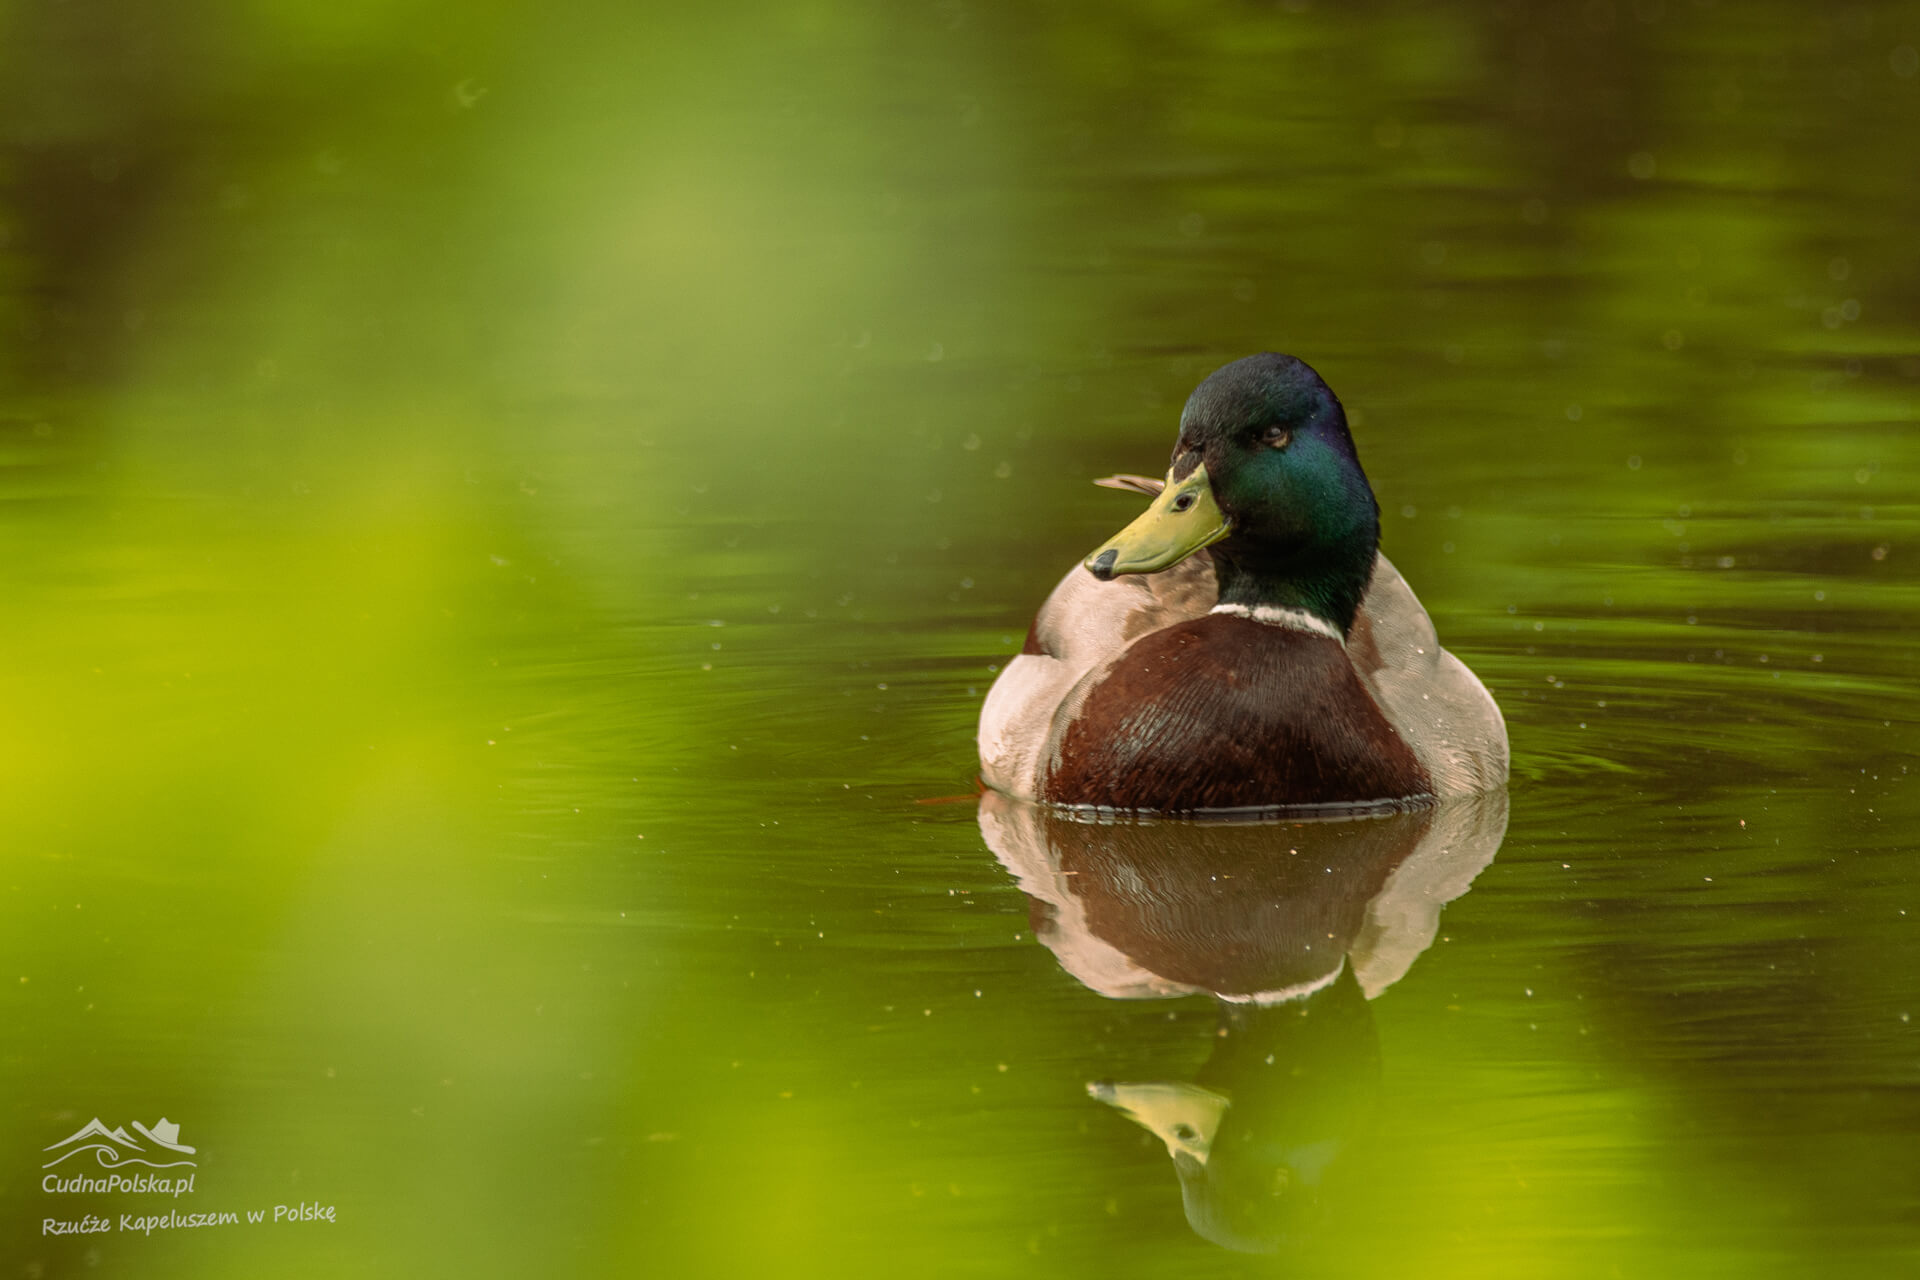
pixel 114 1150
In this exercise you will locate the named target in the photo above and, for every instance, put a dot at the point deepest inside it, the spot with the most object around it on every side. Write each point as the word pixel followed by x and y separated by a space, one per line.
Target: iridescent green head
pixel 1265 473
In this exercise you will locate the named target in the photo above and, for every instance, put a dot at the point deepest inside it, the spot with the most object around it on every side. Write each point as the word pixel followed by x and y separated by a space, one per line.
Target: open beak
pixel 1183 519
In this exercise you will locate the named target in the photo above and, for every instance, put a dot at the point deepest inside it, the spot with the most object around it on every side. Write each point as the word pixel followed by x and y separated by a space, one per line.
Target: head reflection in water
pixel 1288 1089
pixel 1292 927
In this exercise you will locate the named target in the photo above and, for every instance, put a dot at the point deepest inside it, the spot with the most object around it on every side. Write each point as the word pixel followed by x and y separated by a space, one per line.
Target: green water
pixel 510 513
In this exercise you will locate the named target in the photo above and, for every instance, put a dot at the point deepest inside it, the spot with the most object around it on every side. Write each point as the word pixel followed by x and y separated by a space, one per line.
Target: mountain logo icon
pixel 114 1148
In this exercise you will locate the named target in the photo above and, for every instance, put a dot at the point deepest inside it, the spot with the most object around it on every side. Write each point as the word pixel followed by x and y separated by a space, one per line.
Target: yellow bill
pixel 1184 1116
pixel 1183 519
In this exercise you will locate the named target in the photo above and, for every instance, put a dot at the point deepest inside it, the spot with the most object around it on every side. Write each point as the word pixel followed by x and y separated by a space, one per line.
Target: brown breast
pixel 1226 712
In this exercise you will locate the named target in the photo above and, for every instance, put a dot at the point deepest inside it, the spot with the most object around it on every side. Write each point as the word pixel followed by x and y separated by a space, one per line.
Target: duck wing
pixel 1438 706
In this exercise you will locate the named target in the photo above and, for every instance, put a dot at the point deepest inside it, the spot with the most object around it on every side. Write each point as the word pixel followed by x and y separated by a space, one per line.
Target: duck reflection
pixel 1292 927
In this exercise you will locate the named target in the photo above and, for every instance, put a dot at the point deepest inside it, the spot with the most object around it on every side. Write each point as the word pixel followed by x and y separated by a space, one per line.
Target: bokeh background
pixel 508 508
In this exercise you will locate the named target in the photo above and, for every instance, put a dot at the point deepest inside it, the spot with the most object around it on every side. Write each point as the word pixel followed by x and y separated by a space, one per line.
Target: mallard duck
pixel 1243 644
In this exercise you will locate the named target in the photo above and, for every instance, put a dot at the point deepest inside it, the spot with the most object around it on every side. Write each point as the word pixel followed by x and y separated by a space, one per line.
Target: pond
pixel 512 518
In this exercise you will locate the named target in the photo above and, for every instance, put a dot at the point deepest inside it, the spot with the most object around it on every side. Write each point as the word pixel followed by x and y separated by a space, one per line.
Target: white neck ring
pixel 1288 616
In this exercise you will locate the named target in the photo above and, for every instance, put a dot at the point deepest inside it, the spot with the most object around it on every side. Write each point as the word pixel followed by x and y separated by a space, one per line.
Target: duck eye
pixel 1185 1132
pixel 1277 437
pixel 1183 502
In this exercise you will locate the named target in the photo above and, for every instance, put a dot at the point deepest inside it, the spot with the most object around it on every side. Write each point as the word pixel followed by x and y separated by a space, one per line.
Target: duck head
pixel 1257 1139
pixel 1264 473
